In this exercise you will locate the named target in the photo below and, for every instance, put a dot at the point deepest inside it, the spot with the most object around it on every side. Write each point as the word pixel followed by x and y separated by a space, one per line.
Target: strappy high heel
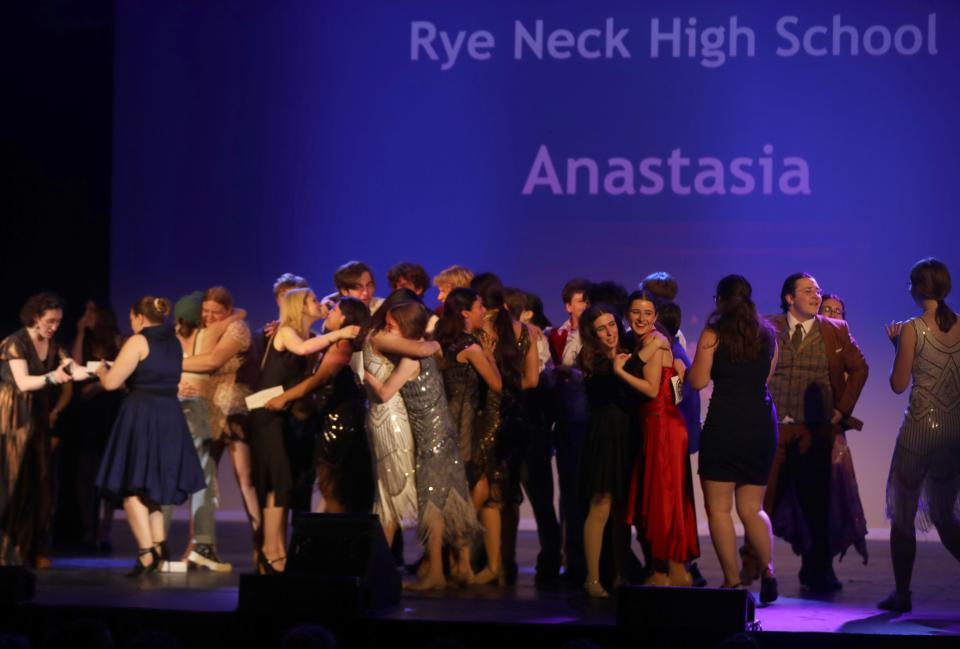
pixel 141 568
pixel 265 566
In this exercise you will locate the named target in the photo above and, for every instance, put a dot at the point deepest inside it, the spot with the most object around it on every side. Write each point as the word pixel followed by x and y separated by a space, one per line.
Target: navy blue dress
pixel 150 452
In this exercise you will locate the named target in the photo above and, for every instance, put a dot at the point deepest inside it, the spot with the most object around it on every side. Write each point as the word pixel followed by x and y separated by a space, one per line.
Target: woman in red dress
pixel 661 486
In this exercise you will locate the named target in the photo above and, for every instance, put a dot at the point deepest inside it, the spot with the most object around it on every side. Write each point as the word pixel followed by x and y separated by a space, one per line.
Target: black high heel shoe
pixel 265 566
pixel 141 568
pixel 162 553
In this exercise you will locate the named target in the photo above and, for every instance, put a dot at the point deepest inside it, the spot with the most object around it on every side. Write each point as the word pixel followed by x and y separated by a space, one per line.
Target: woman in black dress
pixel 738 351
pixel 342 455
pixel 608 450
pixel 31 364
pixel 149 460
pixel 286 361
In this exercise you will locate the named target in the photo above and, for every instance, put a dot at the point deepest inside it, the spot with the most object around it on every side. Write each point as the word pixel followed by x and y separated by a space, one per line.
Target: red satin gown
pixel 661 485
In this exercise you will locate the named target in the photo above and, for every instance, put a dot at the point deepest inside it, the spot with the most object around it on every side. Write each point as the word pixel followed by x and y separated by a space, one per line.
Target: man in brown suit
pixel 815 386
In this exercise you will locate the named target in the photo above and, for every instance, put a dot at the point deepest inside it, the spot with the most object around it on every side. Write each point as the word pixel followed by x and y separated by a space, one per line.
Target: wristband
pixel 48 378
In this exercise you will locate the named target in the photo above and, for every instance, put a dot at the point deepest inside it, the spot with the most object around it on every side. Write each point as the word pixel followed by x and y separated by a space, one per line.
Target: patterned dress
pixel 26 493
pixel 500 431
pixel 391 445
pixel 462 384
pixel 227 395
pixel 442 493
pixel 924 482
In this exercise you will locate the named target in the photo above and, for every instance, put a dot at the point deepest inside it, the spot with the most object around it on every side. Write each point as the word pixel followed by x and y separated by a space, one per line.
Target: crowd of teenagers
pixel 443 419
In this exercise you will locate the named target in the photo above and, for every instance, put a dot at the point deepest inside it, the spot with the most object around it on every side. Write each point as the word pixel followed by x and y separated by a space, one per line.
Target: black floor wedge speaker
pixel 339 564
pixel 17 585
pixel 720 610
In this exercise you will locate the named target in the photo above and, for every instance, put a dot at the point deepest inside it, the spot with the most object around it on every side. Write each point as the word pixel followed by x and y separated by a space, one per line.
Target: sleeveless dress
pixel 608 447
pixel 26 488
pixel 342 442
pixel 500 432
pixel 462 384
pixel 661 483
pixel 268 429
pixel 392 450
pixel 442 493
pixel 150 452
pixel 924 482
pixel 739 438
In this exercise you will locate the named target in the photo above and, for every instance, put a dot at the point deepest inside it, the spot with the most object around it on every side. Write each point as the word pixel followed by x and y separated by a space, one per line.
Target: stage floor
pixel 99 582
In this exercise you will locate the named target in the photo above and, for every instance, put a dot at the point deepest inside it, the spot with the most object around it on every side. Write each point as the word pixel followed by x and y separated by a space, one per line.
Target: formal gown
pixel 392 449
pixel 661 489
pixel 150 452
pixel 442 493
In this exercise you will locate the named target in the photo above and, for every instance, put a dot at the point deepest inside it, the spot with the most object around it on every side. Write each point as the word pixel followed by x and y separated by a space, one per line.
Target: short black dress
pixel 150 452
pixel 739 437
pixel 608 447
pixel 342 443
pixel 269 430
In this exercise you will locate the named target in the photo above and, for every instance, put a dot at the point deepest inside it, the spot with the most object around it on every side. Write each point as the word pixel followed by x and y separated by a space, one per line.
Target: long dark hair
pixel 930 280
pixel 740 329
pixel 507 354
pixel 378 321
pixel 451 324
pixel 357 313
pixel 102 338
pixel 593 355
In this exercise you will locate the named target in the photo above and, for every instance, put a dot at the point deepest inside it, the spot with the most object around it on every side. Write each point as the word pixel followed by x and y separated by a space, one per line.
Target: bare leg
pixel 490 519
pixel 718 501
pixel 756 523
pixel 242 461
pixel 138 516
pixel 433 579
pixel 274 534
pixel 326 478
pixel 389 530
pixel 593 540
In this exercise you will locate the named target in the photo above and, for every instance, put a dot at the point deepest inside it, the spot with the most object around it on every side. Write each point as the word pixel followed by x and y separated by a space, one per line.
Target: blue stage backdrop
pixel 543 141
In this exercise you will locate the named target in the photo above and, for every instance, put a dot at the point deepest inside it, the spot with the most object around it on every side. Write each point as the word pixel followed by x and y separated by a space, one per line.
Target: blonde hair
pixel 293 304
pixel 454 277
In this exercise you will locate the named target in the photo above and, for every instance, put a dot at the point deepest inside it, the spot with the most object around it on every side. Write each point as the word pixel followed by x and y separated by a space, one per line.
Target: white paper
pixel 259 399
pixel 676 383
pixel 356 364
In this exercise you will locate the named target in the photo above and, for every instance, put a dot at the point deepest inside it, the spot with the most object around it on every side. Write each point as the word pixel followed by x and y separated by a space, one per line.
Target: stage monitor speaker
pixel 337 564
pixel 17 585
pixel 721 610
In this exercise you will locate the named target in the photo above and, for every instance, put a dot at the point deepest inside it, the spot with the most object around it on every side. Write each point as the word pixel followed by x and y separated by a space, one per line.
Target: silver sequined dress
pixel 442 492
pixel 391 445
pixel 926 460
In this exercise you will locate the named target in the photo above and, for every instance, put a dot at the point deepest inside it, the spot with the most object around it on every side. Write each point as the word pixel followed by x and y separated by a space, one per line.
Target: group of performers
pixel 443 419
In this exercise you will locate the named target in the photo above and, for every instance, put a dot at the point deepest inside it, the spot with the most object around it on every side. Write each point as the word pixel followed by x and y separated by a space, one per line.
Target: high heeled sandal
pixel 265 565
pixel 141 568
pixel 595 589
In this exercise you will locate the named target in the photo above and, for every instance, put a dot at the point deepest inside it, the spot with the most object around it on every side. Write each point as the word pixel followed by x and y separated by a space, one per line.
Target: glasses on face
pixel 369 286
pixel 833 311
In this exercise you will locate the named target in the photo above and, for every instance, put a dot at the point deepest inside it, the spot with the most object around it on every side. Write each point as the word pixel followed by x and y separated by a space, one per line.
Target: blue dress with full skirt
pixel 150 452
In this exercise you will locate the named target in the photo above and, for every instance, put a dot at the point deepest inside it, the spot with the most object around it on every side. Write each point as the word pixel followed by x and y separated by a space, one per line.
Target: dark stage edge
pixel 200 607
